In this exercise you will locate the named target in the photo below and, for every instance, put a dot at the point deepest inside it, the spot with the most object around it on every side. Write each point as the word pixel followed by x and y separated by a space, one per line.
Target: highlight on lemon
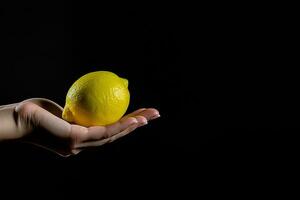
pixel 96 99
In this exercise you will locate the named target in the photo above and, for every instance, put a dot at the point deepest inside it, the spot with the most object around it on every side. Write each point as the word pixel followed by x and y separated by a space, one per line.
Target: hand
pixel 38 121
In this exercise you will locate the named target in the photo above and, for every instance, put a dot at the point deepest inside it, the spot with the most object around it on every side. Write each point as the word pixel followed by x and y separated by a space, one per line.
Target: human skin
pixel 38 121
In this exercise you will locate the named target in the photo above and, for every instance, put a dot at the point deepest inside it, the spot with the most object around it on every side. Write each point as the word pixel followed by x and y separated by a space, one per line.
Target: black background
pixel 222 79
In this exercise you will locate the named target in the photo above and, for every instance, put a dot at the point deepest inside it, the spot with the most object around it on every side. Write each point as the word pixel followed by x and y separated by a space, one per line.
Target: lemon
pixel 97 98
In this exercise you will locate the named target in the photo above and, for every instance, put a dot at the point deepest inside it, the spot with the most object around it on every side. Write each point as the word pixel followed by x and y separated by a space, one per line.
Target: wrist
pixel 8 122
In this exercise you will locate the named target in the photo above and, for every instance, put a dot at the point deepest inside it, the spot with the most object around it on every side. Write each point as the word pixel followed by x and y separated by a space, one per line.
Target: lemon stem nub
pixel 125 82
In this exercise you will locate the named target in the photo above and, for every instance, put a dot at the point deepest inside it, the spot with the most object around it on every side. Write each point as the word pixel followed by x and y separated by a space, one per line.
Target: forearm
pixel 8 123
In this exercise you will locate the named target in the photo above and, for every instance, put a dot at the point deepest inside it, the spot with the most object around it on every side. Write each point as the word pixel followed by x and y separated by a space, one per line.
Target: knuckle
pixel 25 108
pixel 26 115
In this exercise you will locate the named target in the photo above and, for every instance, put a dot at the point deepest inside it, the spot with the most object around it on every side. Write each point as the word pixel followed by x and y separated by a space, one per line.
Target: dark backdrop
pixel 215 74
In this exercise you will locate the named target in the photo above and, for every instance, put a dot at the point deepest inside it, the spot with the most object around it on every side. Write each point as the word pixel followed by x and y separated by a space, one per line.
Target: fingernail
pixel 142 124
pixel 155 116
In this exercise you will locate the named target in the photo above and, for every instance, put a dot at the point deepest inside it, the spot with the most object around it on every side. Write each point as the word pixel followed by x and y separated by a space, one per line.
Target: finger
pixel 48 105
pixel 134 113
pixel 141 120
pixel 123 133
pixel 104 132
pixel 107 140
pixel 150 113
pixel 119 126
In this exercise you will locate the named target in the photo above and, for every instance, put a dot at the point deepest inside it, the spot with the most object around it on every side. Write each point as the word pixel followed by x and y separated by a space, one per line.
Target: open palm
pixel 44 115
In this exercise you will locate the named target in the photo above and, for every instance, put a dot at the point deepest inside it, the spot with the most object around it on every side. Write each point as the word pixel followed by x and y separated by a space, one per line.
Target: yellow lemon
pixel 97 98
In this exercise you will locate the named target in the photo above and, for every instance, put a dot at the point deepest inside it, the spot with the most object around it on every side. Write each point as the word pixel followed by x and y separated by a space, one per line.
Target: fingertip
pixel 155 117
pixel 141 120
pixel 131 120
pixel 153 111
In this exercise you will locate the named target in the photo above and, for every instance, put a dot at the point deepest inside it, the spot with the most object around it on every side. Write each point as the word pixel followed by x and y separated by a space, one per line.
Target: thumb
pixel 36 116
pixel 48 105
